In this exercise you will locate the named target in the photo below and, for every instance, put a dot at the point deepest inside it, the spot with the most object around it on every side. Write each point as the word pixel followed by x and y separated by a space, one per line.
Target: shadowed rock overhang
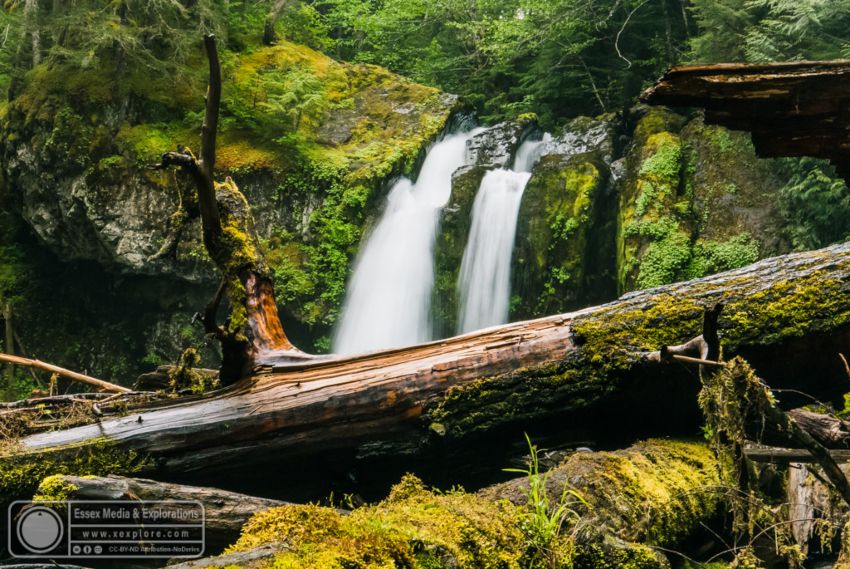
pixel 792 109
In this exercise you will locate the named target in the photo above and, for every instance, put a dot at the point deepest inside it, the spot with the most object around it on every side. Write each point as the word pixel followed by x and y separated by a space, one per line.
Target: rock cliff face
pixel 615 203
pixel 76 144
pixel 564 254
pixel 694 200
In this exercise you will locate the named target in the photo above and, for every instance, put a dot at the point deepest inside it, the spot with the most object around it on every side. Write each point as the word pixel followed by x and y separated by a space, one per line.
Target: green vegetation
pixel 544 521
pixel 112 85
pixel 559 220
pixel 21 474
pixel 651 493
pixel 414 527
pixel 98 89
pixel 696 201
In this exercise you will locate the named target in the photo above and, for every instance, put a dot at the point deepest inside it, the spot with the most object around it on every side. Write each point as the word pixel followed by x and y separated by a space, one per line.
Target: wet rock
pixel 563 242
pixel 496 146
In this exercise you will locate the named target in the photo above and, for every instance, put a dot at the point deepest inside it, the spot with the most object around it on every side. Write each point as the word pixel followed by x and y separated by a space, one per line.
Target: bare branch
pixel 16 360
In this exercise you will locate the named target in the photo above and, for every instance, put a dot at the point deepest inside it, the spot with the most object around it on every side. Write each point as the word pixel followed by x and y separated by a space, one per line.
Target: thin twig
pixel 622 29
pixel 690 360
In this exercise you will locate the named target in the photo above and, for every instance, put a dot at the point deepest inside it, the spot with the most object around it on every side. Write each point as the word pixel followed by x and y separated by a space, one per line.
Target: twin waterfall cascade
pixel 388 302
pixel 485 272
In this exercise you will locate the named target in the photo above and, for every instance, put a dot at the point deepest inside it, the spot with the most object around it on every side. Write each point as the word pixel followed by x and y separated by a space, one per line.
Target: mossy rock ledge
pixel 77 143
pixel 694 200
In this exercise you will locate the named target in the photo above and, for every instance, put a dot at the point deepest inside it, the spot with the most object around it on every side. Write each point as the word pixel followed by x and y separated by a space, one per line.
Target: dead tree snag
pixel 253 324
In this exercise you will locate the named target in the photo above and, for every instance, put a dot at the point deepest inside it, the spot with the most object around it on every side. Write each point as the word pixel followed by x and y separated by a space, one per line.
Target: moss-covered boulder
pixel 310 141
pixel 561 257
pixel 655 218
pixel 653 493
pixel 413 527
pixel 455 223
pixel 694 200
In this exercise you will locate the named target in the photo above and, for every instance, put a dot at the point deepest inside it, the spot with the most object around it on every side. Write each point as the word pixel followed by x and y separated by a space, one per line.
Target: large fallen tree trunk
pixel 788 315
pixel 621 509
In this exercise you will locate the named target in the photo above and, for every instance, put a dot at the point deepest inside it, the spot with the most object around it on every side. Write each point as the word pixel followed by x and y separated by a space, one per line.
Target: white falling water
pixel 529 153
pixel 388 302
pixel 485 272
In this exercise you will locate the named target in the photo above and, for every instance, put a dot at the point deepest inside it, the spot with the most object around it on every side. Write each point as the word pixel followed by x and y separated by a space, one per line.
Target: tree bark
pixel 269 33
pixel 253 327
pixel 9 344
pixel 475 385
pixel 72 375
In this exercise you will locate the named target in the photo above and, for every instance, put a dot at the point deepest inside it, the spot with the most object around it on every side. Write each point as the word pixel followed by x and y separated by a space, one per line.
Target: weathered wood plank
pixel 787 455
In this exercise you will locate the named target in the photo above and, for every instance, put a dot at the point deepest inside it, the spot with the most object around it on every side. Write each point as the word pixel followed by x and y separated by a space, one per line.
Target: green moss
pixel 559 220
pixel 654 121
pixel 655 213
pixel 619 556
pixel 662 167
pixel 413 527
pixel 654 493
pixel 813 302
pixel 20 474
pixel 693 199
pixel 522 394
pixel 710 257
pixel 325 134
pixel 756 313
pixel 54 488
pixel 664 260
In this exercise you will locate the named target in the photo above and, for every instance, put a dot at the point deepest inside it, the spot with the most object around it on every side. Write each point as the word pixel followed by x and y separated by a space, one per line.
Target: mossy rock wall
pixel 455 223
pixel 561 251
pixel 495 147
pixel 310 141
pixel 694 200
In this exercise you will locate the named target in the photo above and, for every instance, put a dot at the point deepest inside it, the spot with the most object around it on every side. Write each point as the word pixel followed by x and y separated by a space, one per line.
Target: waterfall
pixel 388 302
pixel 484 283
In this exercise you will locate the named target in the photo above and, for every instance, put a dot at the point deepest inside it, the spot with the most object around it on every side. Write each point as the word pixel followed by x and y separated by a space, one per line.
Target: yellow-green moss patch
pixel 21 474
pixel 413 527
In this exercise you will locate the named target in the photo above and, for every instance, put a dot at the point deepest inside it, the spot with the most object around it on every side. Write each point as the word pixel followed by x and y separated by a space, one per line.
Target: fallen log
pixel 775 455
pixel 628 507
pixel 829 431
pixel 788 316
pixel 224 512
